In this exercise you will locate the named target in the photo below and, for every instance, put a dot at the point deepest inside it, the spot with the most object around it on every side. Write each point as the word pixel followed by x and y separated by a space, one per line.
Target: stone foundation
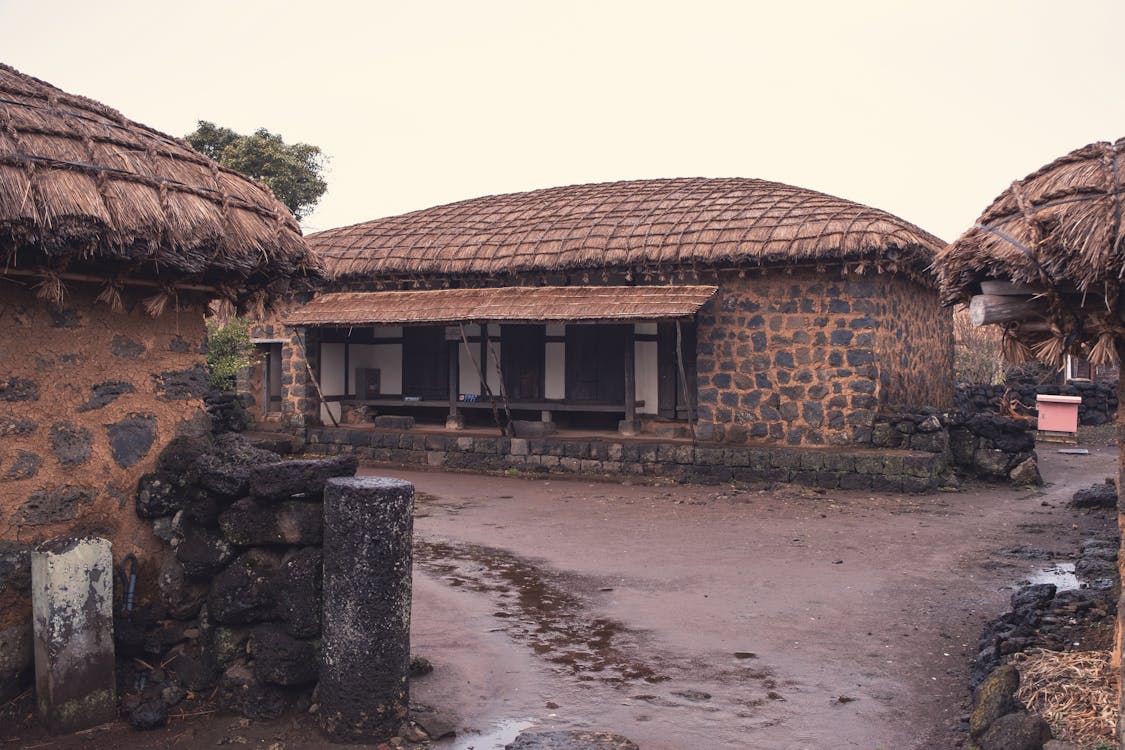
pixel 831 468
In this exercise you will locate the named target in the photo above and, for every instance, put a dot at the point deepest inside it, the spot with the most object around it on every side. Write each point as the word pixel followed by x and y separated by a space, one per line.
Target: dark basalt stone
pixel 106 393
pixel 249 523
pixel 280 659
pixel 131 438
pixel 54 505
pixel 25 466
pixel 70 443
pixel 285 479
pixel 19 389
pixel 203 552
pixel 244 593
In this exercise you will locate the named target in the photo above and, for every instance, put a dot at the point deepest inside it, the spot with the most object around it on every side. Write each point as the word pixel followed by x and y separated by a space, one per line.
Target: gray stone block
pixel 72 610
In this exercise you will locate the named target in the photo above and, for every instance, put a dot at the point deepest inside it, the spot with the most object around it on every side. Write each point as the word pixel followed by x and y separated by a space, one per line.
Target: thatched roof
pixel 640 226
pixel 85 192
pixel 1058 232
pixel 504 304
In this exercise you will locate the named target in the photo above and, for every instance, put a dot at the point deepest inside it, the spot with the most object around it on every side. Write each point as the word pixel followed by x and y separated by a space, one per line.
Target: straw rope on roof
pixel 1059 233
pixel 637 225
pixel 504 304
pixel 86 192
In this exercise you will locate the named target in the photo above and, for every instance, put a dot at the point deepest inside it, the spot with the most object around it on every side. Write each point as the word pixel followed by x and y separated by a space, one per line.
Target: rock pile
pixel 988 446
pixel 240 591
pixel 999 721
pixel 1096 496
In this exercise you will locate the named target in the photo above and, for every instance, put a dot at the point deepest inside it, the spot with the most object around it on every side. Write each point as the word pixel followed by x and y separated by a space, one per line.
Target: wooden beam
pixel 997 308
pixel 630 381
pixel 454 376
pixel 1005 289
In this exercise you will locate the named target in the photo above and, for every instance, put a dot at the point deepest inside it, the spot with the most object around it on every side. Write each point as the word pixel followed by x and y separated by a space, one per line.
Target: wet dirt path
pixel 709 617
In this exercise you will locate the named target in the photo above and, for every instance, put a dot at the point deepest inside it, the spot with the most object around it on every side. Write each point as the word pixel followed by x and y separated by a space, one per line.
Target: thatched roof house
pixel 1056 235
pixel 1046 261
pixel 113 239
pixel 86 192
pixel 754 309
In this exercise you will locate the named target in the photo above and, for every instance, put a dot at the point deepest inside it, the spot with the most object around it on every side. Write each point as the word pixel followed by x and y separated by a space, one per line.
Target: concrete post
pixel 368 528
pixel 72 609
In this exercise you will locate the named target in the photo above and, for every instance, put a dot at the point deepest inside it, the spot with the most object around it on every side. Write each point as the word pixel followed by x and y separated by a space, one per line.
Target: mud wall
pixel 913 345
pixel 88 398
pixel 810 358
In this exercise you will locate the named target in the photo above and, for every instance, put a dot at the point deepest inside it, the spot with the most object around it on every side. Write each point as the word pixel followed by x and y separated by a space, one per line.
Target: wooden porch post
pixel 628 425
pixel 454 421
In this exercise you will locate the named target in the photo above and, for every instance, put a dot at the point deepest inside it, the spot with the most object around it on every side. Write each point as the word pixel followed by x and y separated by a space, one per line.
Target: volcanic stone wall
pixel 88 398
pixel 1099 400
pixel 237 605
pixel 810 358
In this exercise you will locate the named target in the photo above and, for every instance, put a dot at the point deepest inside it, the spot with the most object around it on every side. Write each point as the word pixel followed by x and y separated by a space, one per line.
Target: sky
pixel 927 110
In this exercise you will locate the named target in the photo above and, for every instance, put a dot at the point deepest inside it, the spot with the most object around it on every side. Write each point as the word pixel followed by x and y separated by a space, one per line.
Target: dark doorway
pixel 670 393
pixel 265 376
pixel 595 363
pixel 523 349
pixel 425 362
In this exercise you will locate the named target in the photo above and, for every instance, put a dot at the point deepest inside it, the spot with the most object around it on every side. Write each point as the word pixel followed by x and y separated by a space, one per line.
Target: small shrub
pixel 229 349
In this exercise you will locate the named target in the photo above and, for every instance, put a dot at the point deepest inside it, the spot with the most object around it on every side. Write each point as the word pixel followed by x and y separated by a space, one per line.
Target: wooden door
pixel 670 394
pixel 595 363
pixel 425 362
pixel 523 351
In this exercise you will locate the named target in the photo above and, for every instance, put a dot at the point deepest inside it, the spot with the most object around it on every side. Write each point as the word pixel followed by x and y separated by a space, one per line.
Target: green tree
pixel 293 171
pixel 229 349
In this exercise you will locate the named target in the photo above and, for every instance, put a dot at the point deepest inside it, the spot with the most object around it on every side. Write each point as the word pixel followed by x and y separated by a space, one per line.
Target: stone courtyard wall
pixel 810 358
pixel 88 398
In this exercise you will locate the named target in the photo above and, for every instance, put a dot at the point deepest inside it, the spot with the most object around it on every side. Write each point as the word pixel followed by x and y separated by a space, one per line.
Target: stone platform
pixel 616 456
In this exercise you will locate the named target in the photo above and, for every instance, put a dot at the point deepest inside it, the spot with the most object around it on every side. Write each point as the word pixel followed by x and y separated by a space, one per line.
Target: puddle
pixel 536 608
pixel 1060 573
pixel 494 738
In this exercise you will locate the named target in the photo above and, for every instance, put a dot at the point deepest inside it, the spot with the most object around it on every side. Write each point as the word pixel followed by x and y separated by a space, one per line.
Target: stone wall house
pixel 739 310
pixel 113 240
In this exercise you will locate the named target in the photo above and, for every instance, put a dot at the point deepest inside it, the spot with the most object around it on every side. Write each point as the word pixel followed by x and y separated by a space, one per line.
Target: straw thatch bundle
pixel 1058 232
pixel 86 194
pixel 644 227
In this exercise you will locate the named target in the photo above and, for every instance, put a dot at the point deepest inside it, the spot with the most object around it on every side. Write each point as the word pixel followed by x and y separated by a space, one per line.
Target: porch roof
pixel 506 304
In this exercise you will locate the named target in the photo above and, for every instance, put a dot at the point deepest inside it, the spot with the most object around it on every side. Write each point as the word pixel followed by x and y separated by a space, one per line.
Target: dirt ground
pixel 692 617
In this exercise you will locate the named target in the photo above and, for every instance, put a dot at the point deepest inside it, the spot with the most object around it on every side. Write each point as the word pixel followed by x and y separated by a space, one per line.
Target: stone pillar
pixel 368 528
pixel 72 610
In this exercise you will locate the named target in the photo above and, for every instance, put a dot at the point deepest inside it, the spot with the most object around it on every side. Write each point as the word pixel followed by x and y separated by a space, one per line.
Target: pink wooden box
pixel 1059 413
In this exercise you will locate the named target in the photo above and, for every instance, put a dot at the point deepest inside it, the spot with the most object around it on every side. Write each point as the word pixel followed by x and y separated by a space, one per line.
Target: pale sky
pixel 924 109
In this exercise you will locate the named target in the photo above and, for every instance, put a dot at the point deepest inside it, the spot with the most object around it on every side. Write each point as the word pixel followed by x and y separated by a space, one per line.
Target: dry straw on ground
pixel 1076 691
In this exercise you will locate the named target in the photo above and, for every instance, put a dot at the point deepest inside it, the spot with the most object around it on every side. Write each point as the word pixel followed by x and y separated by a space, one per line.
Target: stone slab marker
pixel 72 610
pixel 368 528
